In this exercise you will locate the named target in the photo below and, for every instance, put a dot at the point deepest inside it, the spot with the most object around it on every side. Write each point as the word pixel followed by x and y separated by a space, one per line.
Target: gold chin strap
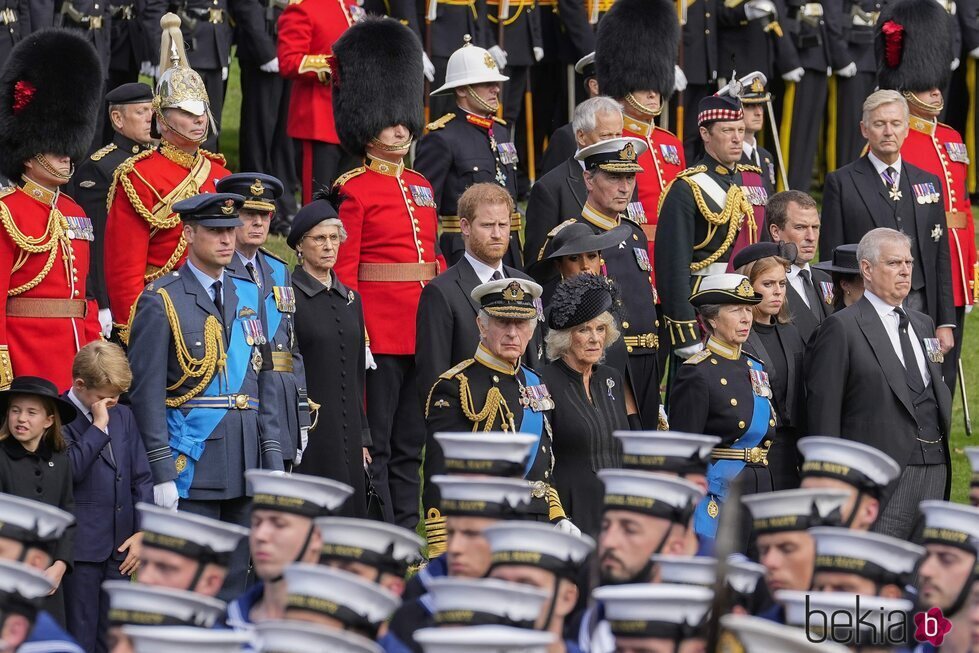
pixel 397 147
pixel 51 170
pixel 159 116
pixel 918 103
pixel 479 101
pixel 642 108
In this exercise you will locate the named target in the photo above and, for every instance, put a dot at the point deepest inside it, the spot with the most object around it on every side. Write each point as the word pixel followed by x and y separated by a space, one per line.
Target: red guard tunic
pixel 44 259
pixel 391 221
pixel 660 163
pixel 143 236
pixel 307 31
pixel 939 149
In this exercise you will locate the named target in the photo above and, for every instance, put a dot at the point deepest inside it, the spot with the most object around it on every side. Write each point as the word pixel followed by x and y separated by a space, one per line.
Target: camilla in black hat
pixel 591 399
pixel 33 462
pixel 845 270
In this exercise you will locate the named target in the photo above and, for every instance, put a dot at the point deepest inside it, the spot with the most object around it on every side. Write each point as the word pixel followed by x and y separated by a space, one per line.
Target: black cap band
pixel 477 618
pixel 293 505
pixel 187 548
pixel 383 562
pixel 845 473
pixel 557 566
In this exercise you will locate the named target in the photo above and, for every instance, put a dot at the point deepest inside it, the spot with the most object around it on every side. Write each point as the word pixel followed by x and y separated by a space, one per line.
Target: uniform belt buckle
pixel 756 455
pixel 94 22
pixel 239 402
pixel 538 489
pixel 215 16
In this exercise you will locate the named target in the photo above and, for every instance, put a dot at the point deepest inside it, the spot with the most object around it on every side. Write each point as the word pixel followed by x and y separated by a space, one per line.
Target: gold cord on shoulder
pixel 495 406
pixel 736 208
pixel 215 358
pixel 48 243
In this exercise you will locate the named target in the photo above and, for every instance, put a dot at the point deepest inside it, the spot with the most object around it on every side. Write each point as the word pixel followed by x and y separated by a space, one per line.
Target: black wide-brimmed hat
pixel 38 387
pixel 757 251
pixel 578 300
pixel 572 238
pixel 844 261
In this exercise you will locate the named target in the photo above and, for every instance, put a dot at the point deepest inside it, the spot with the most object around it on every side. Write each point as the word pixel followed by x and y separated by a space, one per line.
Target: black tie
pixel 811 294
pixel 496 276
pixel 218 300
pixel 911 370
pixel 253 274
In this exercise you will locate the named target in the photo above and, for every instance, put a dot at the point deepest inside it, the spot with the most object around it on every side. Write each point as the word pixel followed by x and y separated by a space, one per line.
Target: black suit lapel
pixel 873 329
pixel 576 182
pixel 873 192
pixel 755 346
pixel 467 281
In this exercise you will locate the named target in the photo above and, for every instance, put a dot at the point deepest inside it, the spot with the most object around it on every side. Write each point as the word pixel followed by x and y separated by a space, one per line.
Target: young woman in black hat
pixel 847 280
pixel 33 462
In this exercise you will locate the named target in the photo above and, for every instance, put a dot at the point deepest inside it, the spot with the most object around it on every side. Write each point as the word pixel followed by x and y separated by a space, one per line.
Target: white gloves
pixel 428 67
pixel 974 54
pixel 371 365
pixel 968 308
pixel 224 74
pixel 149 69
pixel 538 54
pixel 105 321
pixel 165 495
pixel 303 443
pixel 680 80
pixel 848 70
pixel 499 56
pixel 689 350
pixel 794 75
pixel 754 9
pixel 267 67
pixel 567 526
pixel 955 63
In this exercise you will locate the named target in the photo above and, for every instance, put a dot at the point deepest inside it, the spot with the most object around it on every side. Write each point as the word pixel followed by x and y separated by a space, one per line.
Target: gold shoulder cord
pixel 495 406
pixel 215 357
pixel 122 172
pixel 735 208
pixel 47 243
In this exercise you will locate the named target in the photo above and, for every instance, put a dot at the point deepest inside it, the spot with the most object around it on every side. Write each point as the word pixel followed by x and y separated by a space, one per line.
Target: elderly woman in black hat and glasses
pixel 589 397
pixel 722 390
pixel 330 331
pixel 847 280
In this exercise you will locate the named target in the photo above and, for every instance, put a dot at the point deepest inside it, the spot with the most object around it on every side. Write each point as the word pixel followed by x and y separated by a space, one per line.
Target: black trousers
pixel 807 118
pixel 263 144
pixel 232 511
pixel 950 368
pixel 319 165
pixel 644 370
pixel 439 105
pixel 116 78
pixel 215 94
pixel 87 605
pixel 850 94
pixel 899 516
pixel 397 425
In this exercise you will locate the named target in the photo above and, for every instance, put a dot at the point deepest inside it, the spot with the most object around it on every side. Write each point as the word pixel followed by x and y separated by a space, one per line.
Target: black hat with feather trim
pixel 50 96
pixel 913 47
pixel 580 299
pixel 378 82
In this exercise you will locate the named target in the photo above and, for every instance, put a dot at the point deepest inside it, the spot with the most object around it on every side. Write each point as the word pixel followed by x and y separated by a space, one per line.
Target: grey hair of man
pixel 868 249
pixel 584 119
pixel 878 99
pixel 557 342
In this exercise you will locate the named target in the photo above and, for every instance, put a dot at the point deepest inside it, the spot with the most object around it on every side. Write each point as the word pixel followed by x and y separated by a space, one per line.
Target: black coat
pixel 12 33
pixel 804 317
pixel 127 42
pixel 208 44
pixel 857 388
pixel 557 196
pixel 700 42
pixel 744 45
pixel 255 31
pixel 769 173
pixel 330 333
pixel 44 476
pixel 567 34
pixel 855 201
pixel 446 324
pixel 560 147
pixel 521 32
pixel 98 37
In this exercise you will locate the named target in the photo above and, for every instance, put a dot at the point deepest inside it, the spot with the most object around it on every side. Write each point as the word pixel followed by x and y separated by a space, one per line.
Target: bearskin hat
pixel 50 95
pixel 636 48
pixel 913 47
pixel 378 81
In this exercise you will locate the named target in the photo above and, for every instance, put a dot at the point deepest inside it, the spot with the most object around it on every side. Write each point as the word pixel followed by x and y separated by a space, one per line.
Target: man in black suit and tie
pixel 873 374
pixel 560 194
pixel 880 190
pixel 446 320
pixel 792 217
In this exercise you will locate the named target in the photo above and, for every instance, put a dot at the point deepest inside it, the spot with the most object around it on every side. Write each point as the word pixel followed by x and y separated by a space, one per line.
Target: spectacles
pixel 320 241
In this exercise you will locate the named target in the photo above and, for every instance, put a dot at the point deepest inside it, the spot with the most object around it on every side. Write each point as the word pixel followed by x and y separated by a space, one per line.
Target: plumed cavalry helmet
pixel 50 95
pixel 179 87
pixel 468 65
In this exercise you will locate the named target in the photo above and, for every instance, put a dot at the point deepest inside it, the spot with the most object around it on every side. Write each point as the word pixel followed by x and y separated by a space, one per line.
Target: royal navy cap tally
pixel 301 494
pixel 201 538
pixel 284 636
pixel 180 639
pixel 31 522
pixel 21 588
pixel 686 570
pixel 666 611
pixel 757 635
pixel 795 510
pixel 387 547
pixel 537 545
pixel 650 493
pixel 586 65
pixel 877 557
pixel 973 455
pixel 482 496
pixel 259 190
pixel 356 603
pixel 211 209
pixel 719 108
pixel 486 453
pixel 615 155
pixel 143 605
pixel 485 601
pixel 725 288
pixel 809 610
pixel 508 298
pixel 952 524
pixel 129 93
pixel 666 451
pixel 862 466
pixel 483 639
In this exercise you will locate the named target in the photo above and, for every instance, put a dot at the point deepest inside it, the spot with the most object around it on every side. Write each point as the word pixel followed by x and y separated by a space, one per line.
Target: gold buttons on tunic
pixel 723 381
pixel 734 402
pixel 713 361
pixel 625 325
pixel 771 422
pixel 741 424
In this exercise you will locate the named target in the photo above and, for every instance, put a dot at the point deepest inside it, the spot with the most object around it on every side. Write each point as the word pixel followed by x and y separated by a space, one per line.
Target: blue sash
pixel 720 473
pixel 272 314
pixel 188 432
pixel 532 422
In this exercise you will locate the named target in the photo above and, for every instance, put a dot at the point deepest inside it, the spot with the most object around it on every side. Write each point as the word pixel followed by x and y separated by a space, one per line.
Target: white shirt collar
pixel 78 403
pixel 795 269
pixel 245 261
pixel 880 166
pixel 205 280
pixel 882 307
pixel 483 271
pixel 749 149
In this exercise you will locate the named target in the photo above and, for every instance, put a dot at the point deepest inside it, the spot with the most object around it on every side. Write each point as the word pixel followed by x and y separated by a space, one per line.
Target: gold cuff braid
pixel 6 370
pixel 435 533
pixel 555 510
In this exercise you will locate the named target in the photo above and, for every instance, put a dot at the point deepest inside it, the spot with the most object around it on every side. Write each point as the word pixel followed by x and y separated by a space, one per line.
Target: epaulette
pixel 448 374
pixel 162 282
pixel 295 2
pixel 214 156
pixel 743 167
pixel 6 190
pixel 753 357
pixel 701 355
pixel 98 154
pixel 350 174
pixel 554 232
pixel 500 120
pixel 440 123
pixel 692 171
pixel 273 256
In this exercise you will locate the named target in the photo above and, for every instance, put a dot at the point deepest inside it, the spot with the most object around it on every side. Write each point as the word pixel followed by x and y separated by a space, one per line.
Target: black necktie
pixel 218 300
pixel 911 370
pixel 253 274
pixel 811 294
pixel 496 276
